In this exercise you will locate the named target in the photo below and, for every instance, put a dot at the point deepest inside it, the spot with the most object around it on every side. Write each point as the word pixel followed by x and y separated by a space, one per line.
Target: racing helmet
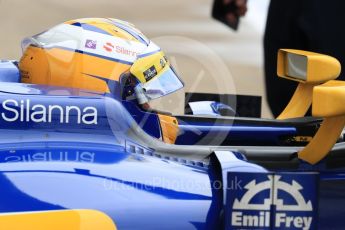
pixel 93 54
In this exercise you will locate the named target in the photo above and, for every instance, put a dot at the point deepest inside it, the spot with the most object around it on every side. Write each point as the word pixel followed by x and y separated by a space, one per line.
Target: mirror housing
pixel 307 67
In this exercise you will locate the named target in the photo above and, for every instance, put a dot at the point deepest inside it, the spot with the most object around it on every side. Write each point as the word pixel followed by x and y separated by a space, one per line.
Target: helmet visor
pixel 164 83
pixel 156 75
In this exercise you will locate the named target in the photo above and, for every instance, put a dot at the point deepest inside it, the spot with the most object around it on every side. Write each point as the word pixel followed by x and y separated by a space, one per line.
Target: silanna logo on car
pixel 26 111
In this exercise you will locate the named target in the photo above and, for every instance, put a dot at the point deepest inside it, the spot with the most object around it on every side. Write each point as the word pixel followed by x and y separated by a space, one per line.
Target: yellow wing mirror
pixel 309 69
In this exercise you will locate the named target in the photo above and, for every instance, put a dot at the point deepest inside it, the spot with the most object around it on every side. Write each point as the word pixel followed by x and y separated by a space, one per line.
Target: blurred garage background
pixel 210 57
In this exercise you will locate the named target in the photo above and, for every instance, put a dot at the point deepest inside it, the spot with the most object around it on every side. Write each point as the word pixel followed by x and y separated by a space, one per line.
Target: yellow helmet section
pixel 40 66
pixel 83 53
pixel 109 25
pixel 145 68
pixel 32 58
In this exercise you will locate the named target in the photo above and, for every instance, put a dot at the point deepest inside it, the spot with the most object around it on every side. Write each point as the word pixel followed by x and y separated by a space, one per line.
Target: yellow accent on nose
pixel 57 220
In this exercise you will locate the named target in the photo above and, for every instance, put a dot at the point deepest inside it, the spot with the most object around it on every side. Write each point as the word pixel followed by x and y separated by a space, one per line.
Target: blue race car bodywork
pixel 67 149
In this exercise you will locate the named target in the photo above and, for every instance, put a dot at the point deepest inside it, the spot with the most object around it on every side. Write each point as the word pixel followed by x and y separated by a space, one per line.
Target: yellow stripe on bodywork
pixel 57 220
pixel 170 129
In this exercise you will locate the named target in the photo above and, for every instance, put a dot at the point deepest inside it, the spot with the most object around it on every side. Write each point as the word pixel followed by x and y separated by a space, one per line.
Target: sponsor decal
pixel 272 201
pixel 91 44
pixel 150 73
pixel 25 111
pixel 110 47
pixel 62 156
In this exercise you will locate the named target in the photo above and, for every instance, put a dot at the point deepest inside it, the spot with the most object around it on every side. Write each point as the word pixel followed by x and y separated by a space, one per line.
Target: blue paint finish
pixel 70 165
pixel 149 122
pixel 64 152
pixel 9 72
pixel 331 204
pixel 191 133
pixel 50 166
pixel 146 187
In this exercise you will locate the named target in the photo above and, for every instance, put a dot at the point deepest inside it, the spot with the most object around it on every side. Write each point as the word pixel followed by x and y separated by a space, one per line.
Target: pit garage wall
pixel 225 62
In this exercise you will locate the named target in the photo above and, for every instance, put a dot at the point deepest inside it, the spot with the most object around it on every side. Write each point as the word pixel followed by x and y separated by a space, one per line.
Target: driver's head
pixel 92 54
